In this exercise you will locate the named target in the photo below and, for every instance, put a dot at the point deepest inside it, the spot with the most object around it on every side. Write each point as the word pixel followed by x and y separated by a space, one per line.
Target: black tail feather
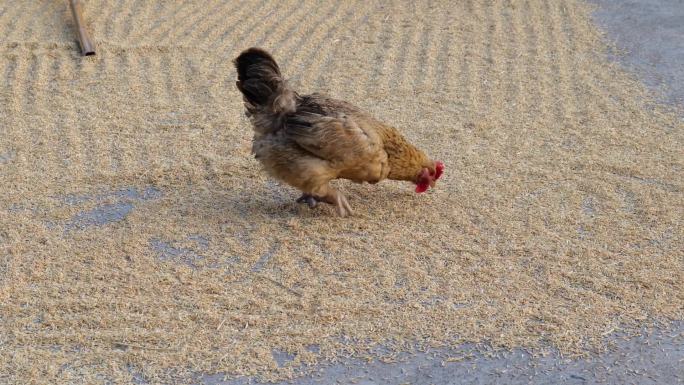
pixel 261 83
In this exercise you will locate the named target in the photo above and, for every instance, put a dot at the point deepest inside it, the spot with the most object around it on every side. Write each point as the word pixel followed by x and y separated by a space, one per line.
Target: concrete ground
pixel 653 359
pixel 649 35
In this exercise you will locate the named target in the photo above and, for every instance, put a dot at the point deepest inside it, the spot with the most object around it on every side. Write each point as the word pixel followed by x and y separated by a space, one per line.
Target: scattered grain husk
pixel 559 218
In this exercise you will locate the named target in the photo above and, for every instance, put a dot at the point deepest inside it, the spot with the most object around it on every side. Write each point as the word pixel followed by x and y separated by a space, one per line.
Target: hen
pixel 309 140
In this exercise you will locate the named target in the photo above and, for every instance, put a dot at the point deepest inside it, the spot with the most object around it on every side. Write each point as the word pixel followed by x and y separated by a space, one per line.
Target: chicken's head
pixel 428 176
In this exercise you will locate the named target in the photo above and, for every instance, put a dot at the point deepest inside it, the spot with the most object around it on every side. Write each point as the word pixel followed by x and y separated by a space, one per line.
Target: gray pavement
pixel 650 36
pixel 657 358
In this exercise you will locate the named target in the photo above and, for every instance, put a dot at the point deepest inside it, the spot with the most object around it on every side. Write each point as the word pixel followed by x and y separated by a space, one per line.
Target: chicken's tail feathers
pixel 261 83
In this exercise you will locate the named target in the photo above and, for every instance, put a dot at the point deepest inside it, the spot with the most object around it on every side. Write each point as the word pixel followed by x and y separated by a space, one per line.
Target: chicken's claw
pixel 343 208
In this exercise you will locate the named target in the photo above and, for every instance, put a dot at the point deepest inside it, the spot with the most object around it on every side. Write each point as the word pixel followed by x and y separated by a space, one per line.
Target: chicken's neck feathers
pixel 405 160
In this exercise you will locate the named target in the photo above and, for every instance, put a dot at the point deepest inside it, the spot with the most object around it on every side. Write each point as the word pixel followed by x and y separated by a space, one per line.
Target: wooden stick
pixel 87 47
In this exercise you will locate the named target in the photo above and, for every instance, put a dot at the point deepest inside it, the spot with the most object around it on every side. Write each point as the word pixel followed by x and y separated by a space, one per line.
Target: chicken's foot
pixel 332 197
pixel 308 199
pixel 329 195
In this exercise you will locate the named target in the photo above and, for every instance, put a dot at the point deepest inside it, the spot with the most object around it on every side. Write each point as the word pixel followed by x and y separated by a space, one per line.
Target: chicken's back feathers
pixel 340 134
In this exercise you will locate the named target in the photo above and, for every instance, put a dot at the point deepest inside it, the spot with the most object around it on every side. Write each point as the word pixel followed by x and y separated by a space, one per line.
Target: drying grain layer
pixel 139 237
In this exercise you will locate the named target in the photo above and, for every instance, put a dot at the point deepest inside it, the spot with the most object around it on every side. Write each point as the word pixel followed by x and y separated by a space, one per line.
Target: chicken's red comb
pixel 439 169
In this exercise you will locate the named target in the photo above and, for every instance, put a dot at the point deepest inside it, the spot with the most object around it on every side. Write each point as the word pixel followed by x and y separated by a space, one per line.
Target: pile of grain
pixel 138 236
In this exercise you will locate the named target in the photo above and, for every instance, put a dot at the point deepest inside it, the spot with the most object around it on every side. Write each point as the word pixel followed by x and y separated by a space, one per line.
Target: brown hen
pixel 309 140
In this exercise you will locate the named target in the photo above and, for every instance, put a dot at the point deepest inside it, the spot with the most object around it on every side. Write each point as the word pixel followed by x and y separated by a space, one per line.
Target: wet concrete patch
pixel 166 251
pixel 99 216
pixel 6 157
pixel 191 251
pixel 282 358
pixel 263 260
pixel 106 213
pixel 128 193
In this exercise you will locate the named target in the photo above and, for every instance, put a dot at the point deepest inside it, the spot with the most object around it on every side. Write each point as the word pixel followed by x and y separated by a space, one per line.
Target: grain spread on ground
pixel 138 237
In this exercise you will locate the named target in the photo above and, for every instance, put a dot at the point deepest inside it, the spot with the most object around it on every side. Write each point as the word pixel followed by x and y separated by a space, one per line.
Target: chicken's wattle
pixel 422 187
